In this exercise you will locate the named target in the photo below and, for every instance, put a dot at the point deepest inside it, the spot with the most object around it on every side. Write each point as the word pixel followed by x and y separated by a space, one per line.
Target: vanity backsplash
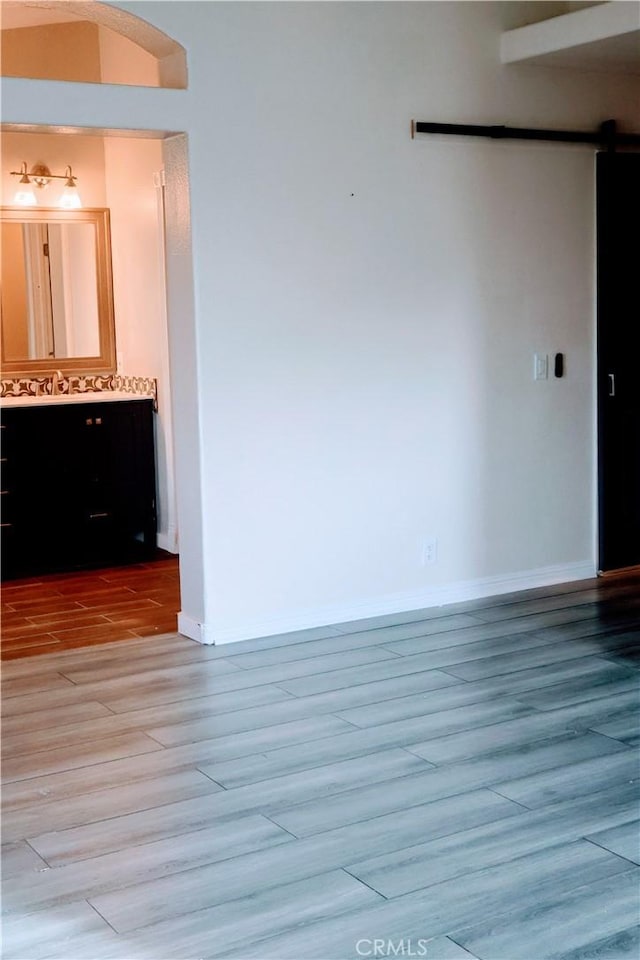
pixel 55 385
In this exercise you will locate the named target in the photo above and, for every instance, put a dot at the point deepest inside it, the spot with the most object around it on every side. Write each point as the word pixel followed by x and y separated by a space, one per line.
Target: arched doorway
pixel 88 42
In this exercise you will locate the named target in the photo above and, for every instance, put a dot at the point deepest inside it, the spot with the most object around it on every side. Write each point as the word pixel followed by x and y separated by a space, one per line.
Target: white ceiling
pixel 612 55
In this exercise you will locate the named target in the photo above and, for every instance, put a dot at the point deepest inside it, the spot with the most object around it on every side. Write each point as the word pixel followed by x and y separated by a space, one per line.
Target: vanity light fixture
pixel 40 175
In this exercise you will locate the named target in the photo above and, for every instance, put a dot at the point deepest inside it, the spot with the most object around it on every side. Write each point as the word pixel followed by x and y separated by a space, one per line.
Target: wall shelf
pixel 603 37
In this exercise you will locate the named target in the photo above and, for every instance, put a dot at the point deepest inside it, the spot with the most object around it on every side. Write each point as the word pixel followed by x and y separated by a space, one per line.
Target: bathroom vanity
pixel 78 475
pixel 78 482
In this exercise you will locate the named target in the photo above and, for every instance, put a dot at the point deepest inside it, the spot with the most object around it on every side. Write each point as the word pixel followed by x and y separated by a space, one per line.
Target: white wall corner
pixel 192 629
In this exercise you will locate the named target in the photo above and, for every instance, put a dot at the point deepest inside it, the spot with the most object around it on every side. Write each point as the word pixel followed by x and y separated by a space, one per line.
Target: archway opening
pixel 87 42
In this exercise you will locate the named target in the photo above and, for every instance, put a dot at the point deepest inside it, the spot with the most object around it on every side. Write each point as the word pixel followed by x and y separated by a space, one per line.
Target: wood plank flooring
pixel 456 782
pixel 73 610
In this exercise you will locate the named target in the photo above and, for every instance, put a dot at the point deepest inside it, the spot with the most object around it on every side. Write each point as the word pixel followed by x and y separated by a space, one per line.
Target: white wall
pixel 140 297
pixel 367 307
pixel 85 154
pixel 187 415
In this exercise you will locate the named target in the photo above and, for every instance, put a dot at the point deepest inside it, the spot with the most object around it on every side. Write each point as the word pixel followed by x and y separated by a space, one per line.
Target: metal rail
pixel 607 136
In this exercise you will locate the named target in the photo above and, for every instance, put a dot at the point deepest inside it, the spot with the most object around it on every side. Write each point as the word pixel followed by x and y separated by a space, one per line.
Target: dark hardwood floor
pixel 457 782
pixel 66 611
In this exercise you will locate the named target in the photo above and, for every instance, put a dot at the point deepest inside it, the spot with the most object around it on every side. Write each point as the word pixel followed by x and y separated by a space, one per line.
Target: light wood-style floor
pixel 89 607
pixel 457 782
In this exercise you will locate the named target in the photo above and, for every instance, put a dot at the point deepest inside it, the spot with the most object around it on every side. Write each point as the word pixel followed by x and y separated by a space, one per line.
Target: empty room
pixel 320 480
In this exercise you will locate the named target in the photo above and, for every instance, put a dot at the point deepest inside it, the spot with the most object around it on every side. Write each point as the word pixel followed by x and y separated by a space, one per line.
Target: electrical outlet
pixel 430 551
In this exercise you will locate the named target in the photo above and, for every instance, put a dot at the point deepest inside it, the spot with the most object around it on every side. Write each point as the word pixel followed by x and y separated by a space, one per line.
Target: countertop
pixel 106 396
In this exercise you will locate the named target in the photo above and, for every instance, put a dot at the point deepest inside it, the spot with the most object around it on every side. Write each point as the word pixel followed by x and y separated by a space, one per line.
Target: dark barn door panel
pixel 618 210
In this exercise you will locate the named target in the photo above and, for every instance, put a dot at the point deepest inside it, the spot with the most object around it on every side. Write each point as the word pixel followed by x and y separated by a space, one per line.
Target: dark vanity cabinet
pixel 78 485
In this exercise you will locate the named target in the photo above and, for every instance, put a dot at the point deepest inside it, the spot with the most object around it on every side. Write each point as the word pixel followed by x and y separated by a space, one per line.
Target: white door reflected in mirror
pixel 56 299
pixel 49 291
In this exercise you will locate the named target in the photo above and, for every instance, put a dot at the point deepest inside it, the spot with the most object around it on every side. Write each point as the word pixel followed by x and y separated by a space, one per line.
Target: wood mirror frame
pixel 105 362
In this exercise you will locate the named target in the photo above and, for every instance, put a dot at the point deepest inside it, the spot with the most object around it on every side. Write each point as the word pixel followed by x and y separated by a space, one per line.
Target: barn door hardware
pixel 606 137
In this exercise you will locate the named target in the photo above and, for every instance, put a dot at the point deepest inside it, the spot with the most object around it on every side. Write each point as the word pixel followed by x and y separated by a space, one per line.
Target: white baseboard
pixel 399 603
pixel 191 628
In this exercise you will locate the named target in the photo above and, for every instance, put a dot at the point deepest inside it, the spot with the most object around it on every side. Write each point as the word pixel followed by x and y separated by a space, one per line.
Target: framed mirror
pixel 56 298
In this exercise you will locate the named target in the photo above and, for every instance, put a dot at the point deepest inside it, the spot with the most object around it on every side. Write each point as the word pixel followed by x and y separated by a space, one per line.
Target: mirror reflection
pixel 49 297
pixel 56 303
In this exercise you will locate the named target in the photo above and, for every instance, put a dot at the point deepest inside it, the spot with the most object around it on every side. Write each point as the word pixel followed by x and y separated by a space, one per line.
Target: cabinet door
pixel 9 513
pixel 116 478
pixel 81 486
pixel 38 481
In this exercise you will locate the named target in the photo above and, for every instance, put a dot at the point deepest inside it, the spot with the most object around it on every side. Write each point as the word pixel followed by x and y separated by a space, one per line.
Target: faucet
pixel 55 383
